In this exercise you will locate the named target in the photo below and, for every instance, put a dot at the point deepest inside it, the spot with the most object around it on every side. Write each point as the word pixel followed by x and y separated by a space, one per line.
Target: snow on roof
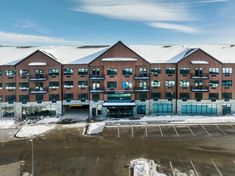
pixel 151 53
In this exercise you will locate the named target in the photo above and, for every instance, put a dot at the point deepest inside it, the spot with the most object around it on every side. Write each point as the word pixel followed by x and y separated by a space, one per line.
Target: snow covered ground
pixel 7 123
pixel 48 120
pixel 34 130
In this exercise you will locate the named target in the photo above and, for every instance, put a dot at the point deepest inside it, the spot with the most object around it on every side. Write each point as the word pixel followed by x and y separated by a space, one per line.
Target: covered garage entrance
pixel 119 110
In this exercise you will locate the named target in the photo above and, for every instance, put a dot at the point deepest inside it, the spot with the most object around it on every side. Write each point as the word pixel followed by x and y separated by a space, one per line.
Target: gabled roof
pixel 182 55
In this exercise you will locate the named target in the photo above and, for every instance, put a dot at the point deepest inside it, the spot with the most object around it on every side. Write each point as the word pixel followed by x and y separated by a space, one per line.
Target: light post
pixel 32 150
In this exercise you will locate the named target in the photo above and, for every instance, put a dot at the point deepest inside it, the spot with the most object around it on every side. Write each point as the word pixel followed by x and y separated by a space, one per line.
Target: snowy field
pixel 7 123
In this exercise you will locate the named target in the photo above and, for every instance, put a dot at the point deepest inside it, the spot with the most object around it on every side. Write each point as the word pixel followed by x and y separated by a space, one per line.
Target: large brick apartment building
pixel 117 81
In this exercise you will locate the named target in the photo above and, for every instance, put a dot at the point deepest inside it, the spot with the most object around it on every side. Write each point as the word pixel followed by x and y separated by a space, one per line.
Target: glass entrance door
pixel 120 112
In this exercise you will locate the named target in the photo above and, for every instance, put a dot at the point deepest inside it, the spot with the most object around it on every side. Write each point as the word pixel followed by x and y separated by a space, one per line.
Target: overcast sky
pixel 75 22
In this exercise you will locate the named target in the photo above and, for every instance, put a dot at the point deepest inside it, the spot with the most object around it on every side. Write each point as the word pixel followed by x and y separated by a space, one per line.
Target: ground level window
pixel 83 97
pixel 39 98
pixel 141 109
pixel 213 96
pixel 95 97
pixel 184 96
pixel 68 97
pixel 198 96
pixel 24 99
pixel 198 109
pixel 227 96
pixel 156 96
pixel 54 98
pixel 162 108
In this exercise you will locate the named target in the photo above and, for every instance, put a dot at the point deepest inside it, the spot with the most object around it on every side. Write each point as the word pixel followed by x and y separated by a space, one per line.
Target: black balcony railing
pixel 142 76
pixel 97 77
pixel 40 90
pixel 200 76
pixel 200 88
pixel 38 78
pixel 96 89
pixel 142 89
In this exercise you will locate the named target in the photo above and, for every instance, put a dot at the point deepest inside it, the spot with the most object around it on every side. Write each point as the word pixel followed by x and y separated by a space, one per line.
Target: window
pixel 184 83
pixel 198 96
pixel 24 73
pixel 82 84
pixel 68 97
pixel 127 71
pixel 10 99
pixel 96 85
pixel 23 85
pixel 112 84
pixel 83 97
pixel 95 71
pixel 1 72
pixel 199 109
pixel 54 85
pixel 112 72
pixel 162 108
pixel 68 71
pixel 143 85
pixel 126 85
pixel 213 96
pixel 170 71
pixel 39 73
pixel 214 71
pixel 227 96
pixel 54 98
pixel 155 83
pixel 0 85
pixel 39 98
pixel 142 96
pixel 227 83
pixel 53 71
pixel 10 73
pixel 170 83
pixel 227 71
pixel 95 97
pixel 169 96
pixel 141 109
pixel 214 83
pixel 83 71
pixel 156 96
pixel 185 71
pixel 68 84
pixel 1 99
pixel 155 71
pixel 184 96
pixel 24 99
pixel 143 72
pixel 10 86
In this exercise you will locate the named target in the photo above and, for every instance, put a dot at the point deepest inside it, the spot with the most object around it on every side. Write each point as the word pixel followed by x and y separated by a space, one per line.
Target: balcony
pixel 200 76
pixel 200 88
pixel 38 78
pixel 142 76
pixel 142 89
pixel 96 89
pixel 40 90
pixel 97 77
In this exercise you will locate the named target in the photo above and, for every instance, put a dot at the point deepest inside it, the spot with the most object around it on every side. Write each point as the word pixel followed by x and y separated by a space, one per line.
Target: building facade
pixel 117 82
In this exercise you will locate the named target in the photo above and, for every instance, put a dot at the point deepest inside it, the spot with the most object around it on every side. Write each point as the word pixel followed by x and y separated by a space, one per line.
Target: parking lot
pixel 181 166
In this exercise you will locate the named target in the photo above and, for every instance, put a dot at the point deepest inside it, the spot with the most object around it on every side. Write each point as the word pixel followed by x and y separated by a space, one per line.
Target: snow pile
pixel 48 120
pixel 95 128
pixel 178 173
pixel 219 119
pixel 7 123
pixel 74 125
pixel 31 130
pixel 143 167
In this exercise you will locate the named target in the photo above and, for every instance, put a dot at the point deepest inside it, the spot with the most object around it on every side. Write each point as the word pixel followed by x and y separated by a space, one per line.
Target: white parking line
pixel 220 130
pixel 118 132
pixel 206 130
pixel 160 130
pixel 132 132
pixel 216 168
pixel 191 131
pixel 172 170
pixel 146 131
pixel 176 132
pixel 194 168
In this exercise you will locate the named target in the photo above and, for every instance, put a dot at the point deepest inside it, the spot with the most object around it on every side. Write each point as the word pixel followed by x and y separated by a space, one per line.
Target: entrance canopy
pixel 115 104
